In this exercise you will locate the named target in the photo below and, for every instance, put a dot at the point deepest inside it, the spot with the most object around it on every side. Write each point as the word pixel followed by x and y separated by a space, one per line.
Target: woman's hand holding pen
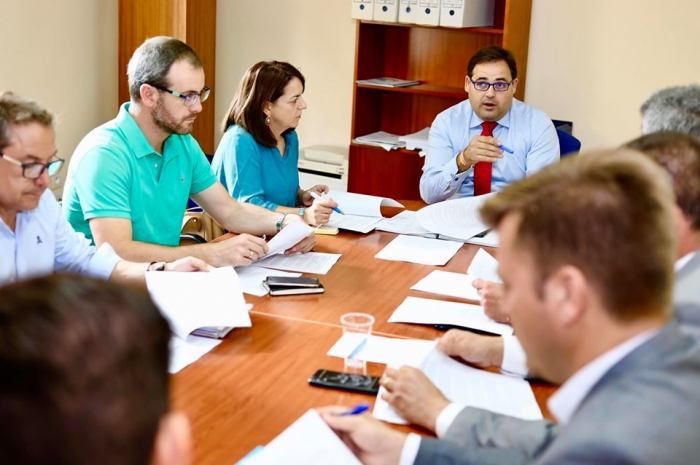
pixel 307 198
pixel 320 211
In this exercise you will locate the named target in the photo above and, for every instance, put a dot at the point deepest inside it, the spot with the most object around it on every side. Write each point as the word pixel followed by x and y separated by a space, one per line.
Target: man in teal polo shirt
pixel 129 180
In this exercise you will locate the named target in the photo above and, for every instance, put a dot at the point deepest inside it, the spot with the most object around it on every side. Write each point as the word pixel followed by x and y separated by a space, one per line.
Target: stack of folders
pixel 382 139
pixel 214 332
pixel 388 82
pixel 285 285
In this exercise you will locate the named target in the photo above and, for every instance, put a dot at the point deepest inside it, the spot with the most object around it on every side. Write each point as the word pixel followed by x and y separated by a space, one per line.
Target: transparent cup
pixel 359 325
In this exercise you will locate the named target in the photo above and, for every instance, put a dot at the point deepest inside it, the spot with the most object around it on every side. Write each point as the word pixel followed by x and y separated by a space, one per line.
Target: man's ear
pixel 149 95
pixel 173 442
pixel 565 295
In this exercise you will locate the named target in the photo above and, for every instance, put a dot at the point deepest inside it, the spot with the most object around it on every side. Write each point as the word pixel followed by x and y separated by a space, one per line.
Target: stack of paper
pixel 417 140
pixel 311 262
pixel 194 300
pixel 388 82
pixel 382 139
pixel 406 223
pixel 457 219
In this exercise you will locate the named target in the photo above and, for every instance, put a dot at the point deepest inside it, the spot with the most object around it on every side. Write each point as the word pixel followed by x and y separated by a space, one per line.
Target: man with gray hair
pixel 129 179
pixel 34 239
pixel 673 109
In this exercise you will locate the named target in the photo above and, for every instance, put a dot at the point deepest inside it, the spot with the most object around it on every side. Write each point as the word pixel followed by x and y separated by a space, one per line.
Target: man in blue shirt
pixel 522 140
pixel 34 239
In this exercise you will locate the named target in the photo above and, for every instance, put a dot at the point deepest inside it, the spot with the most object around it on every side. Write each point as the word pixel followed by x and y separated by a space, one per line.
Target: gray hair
pixel 151 63
pixel 16 110
pixel 673 109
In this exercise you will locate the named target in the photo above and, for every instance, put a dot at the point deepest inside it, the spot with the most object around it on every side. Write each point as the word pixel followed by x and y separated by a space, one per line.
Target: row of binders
pixel 449 13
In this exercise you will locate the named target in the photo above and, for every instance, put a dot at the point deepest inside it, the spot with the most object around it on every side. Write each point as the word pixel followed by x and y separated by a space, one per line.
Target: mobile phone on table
pixel 345 381
pixel 291 281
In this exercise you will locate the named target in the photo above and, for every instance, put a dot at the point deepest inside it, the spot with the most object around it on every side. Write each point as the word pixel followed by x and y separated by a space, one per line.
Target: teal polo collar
pixel 132 132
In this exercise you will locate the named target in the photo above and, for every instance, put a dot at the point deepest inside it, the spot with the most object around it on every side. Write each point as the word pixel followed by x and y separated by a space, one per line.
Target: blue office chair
pixel 568 144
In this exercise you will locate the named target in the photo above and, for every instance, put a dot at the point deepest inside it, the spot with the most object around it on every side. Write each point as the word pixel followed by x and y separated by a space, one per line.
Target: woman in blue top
pixel 258 154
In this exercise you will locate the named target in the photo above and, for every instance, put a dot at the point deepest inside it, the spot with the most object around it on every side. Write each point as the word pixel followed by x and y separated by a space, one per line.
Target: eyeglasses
pixel 188 99
pixel 499 86
pixel 34 170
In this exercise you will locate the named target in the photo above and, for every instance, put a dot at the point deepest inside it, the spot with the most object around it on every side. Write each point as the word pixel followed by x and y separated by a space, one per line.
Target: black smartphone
pixel 346 381
pixel 287 281
pixel 293 290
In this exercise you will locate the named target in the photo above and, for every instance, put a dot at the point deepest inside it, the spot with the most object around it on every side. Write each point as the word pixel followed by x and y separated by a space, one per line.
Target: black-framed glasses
pixel 35 169
pixel 498 86
pixel 188 99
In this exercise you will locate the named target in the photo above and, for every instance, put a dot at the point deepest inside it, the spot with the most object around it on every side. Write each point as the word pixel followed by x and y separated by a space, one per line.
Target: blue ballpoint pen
pixel 503 147
pixel 318 197
pixel 356 410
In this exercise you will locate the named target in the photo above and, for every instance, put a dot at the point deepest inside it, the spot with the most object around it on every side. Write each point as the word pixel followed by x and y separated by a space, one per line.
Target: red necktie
pixel 482 170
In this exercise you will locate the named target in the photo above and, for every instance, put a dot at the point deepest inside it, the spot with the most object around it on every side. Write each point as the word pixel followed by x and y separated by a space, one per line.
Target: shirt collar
pixel 681 262
pixel 132 132
pixel 564 403
pixel 475 121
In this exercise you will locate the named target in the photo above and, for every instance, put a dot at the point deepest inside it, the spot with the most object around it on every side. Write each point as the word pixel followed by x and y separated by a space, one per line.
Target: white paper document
pixel 184 352
pixel 484 266
pixel 421 250
pixel 307 441
pixel 361 204
pixel 449 284
pixel 490 239
pixel 458 218
pixel 251 278
pixel 378 349
pixel 361 224
pixel 288 237
pixel 192 300
pixel 311 262
pixel 417 140
pixel 432 312
pixel 382 139
pixel 471 387
pixel 406 223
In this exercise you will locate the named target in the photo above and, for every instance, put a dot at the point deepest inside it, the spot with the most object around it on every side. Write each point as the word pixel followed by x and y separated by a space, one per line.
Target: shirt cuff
pixel 446 417
pixel 103 261
pixel 410 449
pixel 514 357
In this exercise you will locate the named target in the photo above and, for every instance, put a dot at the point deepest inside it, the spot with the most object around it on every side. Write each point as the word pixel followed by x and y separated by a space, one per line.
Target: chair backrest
pixel 568 144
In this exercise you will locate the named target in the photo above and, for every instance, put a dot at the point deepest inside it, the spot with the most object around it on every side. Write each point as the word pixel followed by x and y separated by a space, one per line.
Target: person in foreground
pixel 34 239
pixel 592 312
pixel 258 156
pixel 85 376
pixel 129 180
pixel 490 140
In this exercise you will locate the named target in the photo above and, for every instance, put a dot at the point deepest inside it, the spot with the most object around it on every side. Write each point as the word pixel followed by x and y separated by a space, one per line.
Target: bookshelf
pixel 436 56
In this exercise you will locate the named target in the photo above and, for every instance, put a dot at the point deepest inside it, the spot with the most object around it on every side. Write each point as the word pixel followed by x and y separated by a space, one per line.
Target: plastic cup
pixel 359 325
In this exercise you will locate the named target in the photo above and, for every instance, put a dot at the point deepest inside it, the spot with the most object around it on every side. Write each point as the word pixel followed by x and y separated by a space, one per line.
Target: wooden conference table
pixel 252 386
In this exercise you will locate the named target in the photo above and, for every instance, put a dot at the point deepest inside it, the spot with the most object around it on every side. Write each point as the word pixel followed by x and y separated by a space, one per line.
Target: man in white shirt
pixel 35 240
pixel 589 294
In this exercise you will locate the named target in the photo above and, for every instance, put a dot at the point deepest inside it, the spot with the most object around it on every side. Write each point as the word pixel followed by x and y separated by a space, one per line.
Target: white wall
pixel 316 36
pixel 64 55
pixel 594 62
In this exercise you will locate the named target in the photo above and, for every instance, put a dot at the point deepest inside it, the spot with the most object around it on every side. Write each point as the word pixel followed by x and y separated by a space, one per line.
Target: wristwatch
pixel 302 211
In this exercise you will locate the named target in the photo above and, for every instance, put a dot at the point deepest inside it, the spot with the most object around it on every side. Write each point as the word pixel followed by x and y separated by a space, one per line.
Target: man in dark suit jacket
pixel 587 258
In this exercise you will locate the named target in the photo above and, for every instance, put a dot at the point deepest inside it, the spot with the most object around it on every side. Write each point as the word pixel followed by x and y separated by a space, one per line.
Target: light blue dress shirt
pixel 254 173
pixel 43 242
pixel 526 130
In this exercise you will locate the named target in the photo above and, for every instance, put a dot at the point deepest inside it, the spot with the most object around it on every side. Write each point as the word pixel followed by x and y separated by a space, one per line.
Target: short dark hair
pixel 679 154
pixel 491 54
pixel 151 63
pixel 84 372
pixel 263 82
pixel 16 110
pixel 673 109
pixel 606 213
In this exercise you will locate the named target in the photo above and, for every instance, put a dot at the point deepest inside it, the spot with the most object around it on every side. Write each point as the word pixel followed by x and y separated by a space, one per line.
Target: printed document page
pixel 379 349
pixel 489 240
pixel 432 312
pixel 420 250
pixel 472 387
pixel 458 219
pixel 361 224
pixel 361 204
pixel 307 441
pixel 184 352
pixel 311 262
pixel 192 300
pixel 450 284
pixel 405 222
pixel 484 266
pixel 288 237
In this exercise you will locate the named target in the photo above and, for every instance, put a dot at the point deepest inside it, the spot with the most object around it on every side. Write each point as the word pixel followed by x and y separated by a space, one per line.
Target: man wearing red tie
pixel 490 140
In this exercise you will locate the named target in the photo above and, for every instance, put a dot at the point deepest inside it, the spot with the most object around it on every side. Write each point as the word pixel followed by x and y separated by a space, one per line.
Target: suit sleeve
pixel 440 452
